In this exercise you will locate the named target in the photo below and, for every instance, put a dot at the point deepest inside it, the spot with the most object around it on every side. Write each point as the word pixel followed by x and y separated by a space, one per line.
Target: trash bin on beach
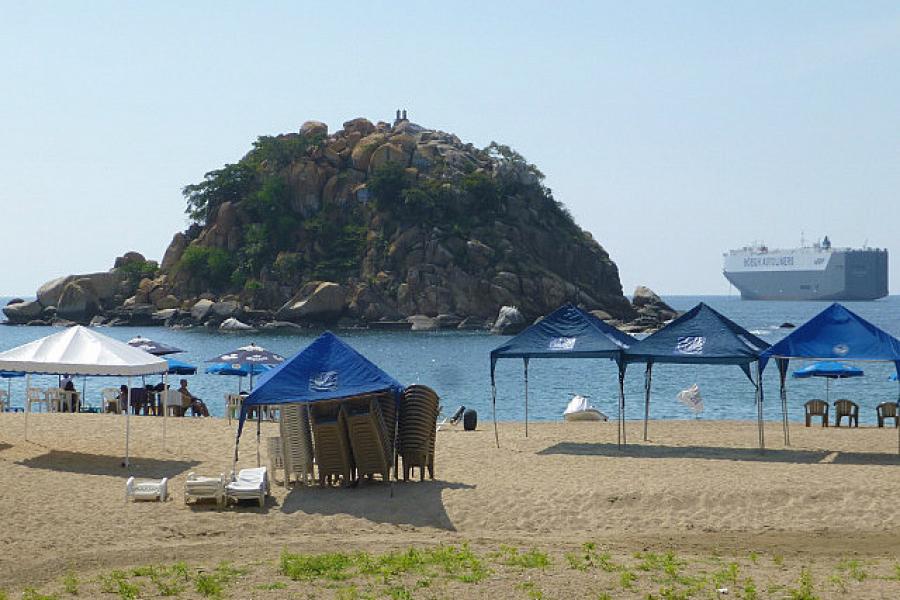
pixel 470 420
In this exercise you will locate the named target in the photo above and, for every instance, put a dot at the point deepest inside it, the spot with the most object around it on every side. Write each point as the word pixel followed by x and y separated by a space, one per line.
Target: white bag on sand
pixel 691 398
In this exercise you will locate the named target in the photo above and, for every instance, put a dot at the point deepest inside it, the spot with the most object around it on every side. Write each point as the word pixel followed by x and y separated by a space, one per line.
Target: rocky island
pixel 389 225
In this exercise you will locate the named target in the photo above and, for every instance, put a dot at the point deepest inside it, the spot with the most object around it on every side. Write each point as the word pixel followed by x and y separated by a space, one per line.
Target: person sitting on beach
pixel 122 398
pixel 188 400
pixel 68 385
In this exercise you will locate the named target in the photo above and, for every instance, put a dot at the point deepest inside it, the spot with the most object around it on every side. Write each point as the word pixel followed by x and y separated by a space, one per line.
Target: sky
pixel 673 131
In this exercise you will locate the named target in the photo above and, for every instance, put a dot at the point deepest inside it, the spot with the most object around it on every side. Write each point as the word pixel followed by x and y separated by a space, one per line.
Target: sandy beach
pixel 698 489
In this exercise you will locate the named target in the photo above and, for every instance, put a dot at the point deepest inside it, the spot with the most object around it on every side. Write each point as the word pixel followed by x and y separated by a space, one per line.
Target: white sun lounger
pixel 250 484
pixel 197 487
pixel 147 489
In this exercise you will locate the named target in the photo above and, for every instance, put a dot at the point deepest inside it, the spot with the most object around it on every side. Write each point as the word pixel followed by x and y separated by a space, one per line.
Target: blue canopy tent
pixel 567 332
pixel 327 369
pixel 836 333
pixel 700 336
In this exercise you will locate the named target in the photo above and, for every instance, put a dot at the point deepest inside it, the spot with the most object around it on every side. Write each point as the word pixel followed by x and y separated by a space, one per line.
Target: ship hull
pixel 858 275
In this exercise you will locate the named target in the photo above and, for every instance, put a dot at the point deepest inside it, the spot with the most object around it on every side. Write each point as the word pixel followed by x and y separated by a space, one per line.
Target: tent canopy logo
pixel 562 343
pixel 841 349
pixel 326 381
pixel 690 345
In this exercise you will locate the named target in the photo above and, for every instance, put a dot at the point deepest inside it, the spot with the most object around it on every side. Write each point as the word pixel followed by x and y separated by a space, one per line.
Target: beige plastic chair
pixel 296 443
pixel 4 400
pixel 276 458
pixel 846 408
pixel 887 410
pixel 36 396
pixel 110 399
pixel 418 426
pixel 816 408
pixel 368 436
pixel 332 447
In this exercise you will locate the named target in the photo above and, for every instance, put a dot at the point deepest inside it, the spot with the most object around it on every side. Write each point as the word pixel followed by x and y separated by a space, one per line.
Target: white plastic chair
pixel 147 489
pixel 36 396
pixel 110 398
pixel 171 402
pixel 250 484
pixel 233 404
pixel 54 399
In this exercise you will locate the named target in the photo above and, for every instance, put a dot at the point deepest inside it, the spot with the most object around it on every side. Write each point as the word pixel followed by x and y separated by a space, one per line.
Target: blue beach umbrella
pixel 829 370
pixel 250 356
pixel 238 370
pixel 179 367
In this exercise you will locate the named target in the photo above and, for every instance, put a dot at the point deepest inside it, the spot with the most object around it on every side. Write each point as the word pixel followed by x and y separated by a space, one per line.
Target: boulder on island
pixel 321 301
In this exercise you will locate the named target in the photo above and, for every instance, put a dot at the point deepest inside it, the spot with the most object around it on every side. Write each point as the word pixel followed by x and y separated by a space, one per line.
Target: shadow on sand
pixel 806 457
pixel 419 504
pixel 104 464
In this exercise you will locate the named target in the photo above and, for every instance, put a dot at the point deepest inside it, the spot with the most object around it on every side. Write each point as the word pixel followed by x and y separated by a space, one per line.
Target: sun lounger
pixel 332 448
pixel 197 487
pixel 147 489
pixel 296 443
pixel 418 426
pixel 249 484
pixel 368 435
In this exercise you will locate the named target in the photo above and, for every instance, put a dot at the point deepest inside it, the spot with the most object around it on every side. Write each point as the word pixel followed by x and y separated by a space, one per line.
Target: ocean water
pixel 456 364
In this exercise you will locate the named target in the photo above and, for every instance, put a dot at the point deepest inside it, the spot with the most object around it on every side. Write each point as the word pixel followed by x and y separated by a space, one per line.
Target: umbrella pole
pixel 127 423
pixel 83 392
pixel 526 397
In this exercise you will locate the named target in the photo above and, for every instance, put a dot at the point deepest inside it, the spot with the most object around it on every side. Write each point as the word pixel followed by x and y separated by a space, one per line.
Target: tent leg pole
pixel 27 405
pixel 161 402
pixel 619 426
pixel 647 383
pixel 526 397
pixel 258 435
pixel 494 409
pixel 622 403
pixel 128 424
pixel 759 408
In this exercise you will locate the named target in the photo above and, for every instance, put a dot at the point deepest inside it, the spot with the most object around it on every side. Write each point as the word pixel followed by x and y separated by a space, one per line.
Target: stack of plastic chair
pixel 369 438
pixel 332 447
pixel 418 425
pixel 296 443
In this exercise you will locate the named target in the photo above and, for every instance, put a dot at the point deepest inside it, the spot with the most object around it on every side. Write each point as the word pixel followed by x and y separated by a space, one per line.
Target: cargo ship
pixel 817 272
